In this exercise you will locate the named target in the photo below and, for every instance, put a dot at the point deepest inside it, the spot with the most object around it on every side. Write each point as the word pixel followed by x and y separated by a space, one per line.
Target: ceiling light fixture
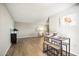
pixel 67 19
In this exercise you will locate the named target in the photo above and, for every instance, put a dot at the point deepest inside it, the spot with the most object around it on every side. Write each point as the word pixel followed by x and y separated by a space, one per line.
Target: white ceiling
pixel 34 12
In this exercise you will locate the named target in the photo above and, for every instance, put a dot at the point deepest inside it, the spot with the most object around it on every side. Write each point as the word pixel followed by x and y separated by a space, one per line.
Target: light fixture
pixel 67 19
pixel 41 29
pixel 70 20
pixel 14 30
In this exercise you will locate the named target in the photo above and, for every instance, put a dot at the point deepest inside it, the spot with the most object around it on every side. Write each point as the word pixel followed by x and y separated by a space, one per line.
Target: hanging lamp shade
pixel 15 29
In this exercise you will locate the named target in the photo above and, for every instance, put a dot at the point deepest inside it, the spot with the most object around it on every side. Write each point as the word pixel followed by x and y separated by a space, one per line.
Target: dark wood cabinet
pixel 13 38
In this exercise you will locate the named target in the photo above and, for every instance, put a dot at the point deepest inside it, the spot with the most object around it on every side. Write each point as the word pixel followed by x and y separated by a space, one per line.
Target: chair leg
pixel 43 47
pixel 47 50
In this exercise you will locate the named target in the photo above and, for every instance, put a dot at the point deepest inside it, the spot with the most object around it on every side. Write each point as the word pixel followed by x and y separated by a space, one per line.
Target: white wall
pixel 26 30
pixel 72 30
pixel 6 23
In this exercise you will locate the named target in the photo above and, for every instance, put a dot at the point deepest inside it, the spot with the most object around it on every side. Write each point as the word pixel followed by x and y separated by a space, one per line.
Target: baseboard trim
pixel 75 54
pixel 29 37
pixel 7 50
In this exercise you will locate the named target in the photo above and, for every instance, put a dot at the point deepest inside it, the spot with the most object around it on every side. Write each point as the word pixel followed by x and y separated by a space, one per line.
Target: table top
pixel 58 38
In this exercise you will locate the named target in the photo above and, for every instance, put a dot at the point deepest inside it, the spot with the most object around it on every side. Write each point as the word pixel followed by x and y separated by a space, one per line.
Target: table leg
pixel 66 50
pixel 61 48
pixel 69 47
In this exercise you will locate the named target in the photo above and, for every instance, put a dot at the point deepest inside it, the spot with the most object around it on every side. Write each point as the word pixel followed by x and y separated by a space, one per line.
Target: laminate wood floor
pixel 27 47
pixel 32 46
